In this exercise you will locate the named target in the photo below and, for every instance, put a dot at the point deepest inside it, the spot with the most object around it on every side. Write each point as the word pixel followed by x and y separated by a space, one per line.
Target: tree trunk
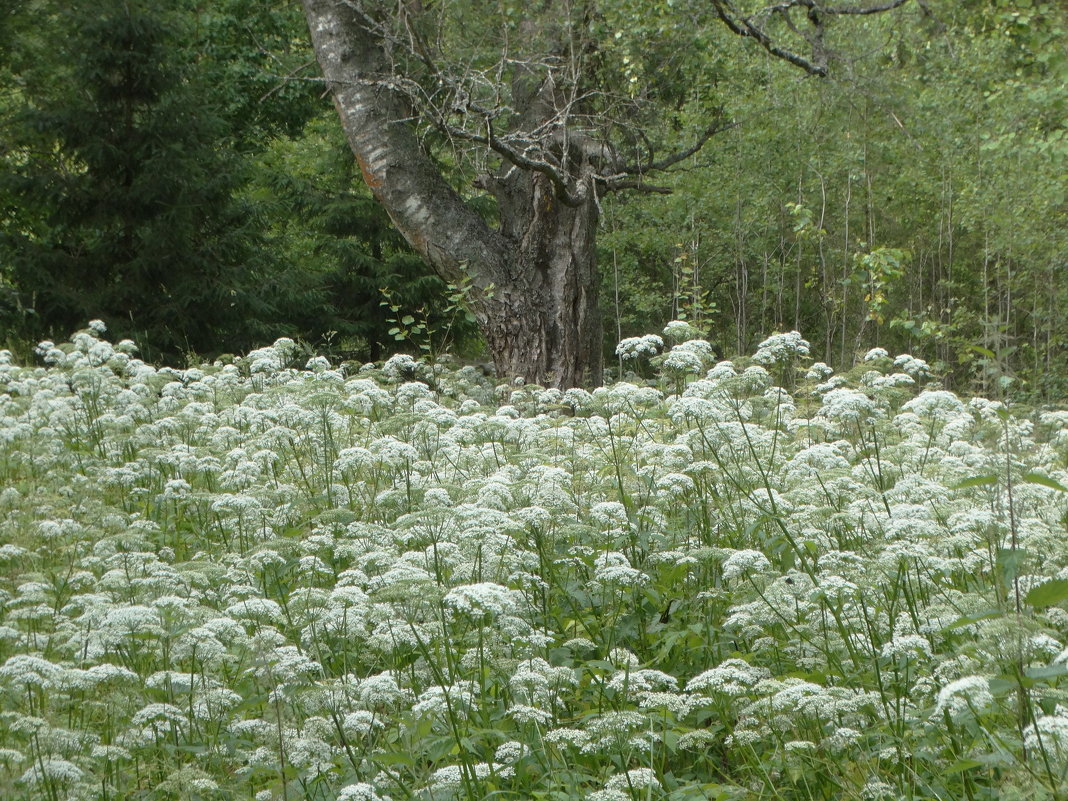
pixel 535 280
pixel 543 321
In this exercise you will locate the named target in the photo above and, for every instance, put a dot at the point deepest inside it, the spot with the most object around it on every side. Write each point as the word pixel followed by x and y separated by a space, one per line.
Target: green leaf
pixel 1048 672
pixel 1011 561
pixel 968 620
pixel 1045 481
pixel 995 760
pixel 600 664
pixel 976 481
pixel 962 766
pixel 1001 687
pixel 1048 594
pixel 407 319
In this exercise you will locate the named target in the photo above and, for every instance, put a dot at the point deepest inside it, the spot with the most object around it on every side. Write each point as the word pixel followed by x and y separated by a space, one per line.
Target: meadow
pixel 279 579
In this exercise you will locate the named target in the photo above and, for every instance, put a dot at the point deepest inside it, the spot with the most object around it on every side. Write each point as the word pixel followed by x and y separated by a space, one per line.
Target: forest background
pixel 175 169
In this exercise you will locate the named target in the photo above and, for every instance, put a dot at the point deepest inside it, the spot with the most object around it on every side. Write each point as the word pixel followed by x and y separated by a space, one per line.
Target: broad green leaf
pixel 1001 687
pixel 962 766
pixel 394 758
pixel 1048 672
pixel 1045 481
pixel 1011 560
pixel 1048 594
pixel 968 620
pixel 975 481
pixel 995 759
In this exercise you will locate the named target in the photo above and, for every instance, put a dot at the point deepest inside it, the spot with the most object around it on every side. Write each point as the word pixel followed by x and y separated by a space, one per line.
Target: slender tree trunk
pixel 534 280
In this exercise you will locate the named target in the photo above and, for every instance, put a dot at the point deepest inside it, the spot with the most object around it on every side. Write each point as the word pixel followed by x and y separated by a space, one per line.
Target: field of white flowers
pixel 307 583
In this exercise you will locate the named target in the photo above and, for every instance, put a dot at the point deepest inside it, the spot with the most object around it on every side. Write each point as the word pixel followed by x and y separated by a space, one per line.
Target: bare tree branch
pixel 878 8
pixel 608 183
pixel 753 28
pixel 563 186
pixel 717 126
pixel 746 28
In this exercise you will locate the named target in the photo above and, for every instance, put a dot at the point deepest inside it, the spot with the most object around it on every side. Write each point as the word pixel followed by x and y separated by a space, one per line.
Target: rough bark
pixel 547 319
pixel 541 318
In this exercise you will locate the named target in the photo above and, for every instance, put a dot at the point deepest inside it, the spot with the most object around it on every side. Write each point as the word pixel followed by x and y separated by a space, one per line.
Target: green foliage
pixel 940 135
pixel 119 190
pixel 341 253
pixel 875 272
pixel 168 170
pixel 255 56
pixel 169 167
pixel 434 331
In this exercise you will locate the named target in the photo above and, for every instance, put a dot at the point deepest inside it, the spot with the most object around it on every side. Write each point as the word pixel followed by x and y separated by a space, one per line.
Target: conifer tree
pixel 119 188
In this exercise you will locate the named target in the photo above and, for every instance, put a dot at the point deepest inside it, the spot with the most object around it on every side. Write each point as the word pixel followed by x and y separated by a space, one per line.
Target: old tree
pixel 541 109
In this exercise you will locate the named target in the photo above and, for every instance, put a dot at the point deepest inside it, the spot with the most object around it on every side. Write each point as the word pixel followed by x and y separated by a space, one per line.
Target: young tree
pixel 551 116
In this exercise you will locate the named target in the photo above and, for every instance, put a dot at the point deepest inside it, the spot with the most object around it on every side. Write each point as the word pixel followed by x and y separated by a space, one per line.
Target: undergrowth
pixel 750 580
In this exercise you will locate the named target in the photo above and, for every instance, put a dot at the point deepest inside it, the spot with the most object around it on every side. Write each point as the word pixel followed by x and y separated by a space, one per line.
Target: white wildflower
pixel 635 347
pixel 31 671
pixel 848 407
pixel 572 738
pixel 613 567
pixel 917 368
pixel 510 752
pixel 936 404
pixel 781 349
pixel 482 600
pixel 875 790
pixel 963 697
pixel 636 779
pixel 697 740
pixel 733 678
pixel 745 562
pixel 1049 734
pixel 51 769
pixel 907 646
pixel 819 372
pixel 678 331
pixel 360 791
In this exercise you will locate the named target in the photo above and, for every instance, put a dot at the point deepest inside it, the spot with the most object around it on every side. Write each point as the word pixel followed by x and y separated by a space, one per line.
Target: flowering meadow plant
pixel 281 579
